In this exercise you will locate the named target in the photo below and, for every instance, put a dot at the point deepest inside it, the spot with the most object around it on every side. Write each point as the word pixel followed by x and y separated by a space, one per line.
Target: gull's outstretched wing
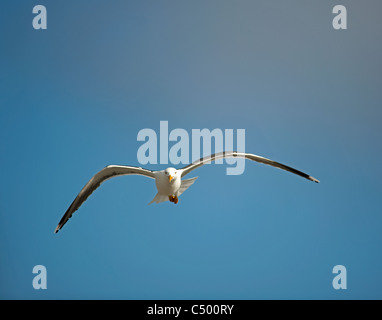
pixel 103 175
pixel 230 154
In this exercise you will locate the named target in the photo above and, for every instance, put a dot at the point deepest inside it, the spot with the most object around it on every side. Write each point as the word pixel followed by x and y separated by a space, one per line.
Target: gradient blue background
pixel 73 98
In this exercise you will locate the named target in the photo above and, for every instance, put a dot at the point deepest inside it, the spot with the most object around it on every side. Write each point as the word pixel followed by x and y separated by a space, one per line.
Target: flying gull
pixel 168 182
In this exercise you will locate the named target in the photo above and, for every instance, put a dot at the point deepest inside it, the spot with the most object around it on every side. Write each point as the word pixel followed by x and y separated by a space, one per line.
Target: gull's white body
pixel 166 187
pixel 169 182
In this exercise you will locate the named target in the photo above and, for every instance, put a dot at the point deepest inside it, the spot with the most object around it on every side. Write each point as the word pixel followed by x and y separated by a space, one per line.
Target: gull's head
pixel 172 174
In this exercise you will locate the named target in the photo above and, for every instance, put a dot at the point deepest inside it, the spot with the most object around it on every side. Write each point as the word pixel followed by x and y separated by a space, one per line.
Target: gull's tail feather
pixel 159 198
pixel 185 185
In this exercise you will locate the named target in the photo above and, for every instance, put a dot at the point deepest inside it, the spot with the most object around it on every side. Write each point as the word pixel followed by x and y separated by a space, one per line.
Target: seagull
pixel 169 182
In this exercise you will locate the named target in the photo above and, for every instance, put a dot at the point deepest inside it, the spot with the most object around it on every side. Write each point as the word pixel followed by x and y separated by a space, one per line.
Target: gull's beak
pixel 170 178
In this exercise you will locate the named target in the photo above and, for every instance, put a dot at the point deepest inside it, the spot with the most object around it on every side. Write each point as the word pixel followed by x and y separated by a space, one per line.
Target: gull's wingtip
pixel 314 179
pixel 57 229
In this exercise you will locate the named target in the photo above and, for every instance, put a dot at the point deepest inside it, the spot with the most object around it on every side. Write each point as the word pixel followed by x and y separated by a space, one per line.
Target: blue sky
pixel 74 97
